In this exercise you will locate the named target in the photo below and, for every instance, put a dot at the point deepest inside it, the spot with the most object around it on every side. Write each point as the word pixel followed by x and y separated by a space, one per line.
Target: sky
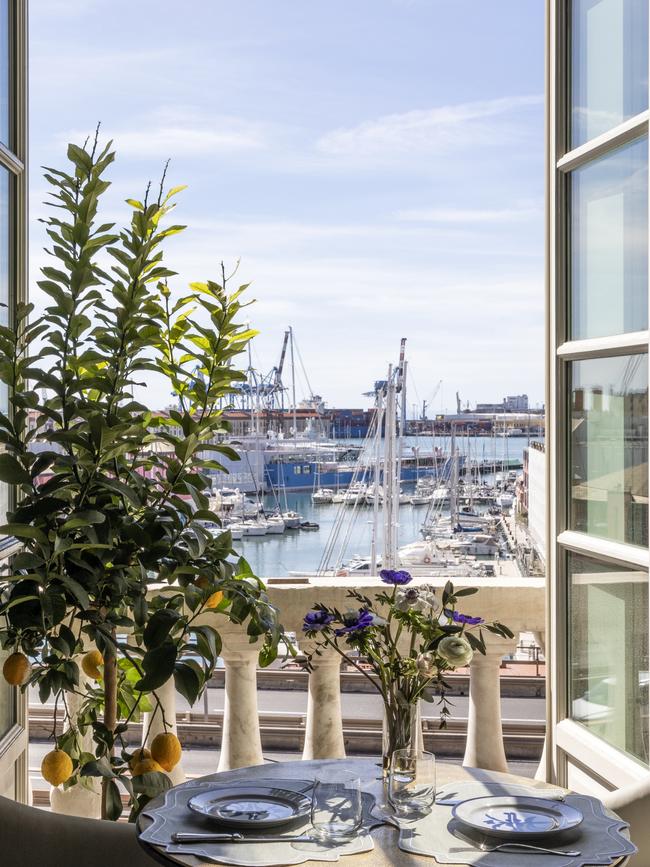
pixel 377 166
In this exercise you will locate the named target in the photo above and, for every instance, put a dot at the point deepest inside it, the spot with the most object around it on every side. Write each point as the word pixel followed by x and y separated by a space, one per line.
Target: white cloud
pixel 467 215
pixel 181 132
pixel 432 131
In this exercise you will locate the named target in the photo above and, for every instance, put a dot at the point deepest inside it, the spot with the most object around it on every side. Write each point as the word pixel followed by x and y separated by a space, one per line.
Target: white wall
pixel 537 499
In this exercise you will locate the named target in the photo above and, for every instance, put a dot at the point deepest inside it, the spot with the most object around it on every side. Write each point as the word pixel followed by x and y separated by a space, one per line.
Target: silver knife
pixel 453 799
pixel 195 837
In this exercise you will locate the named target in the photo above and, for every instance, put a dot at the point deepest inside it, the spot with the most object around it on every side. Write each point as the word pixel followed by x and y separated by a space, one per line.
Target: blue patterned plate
pixel 517 817
pixel 251 806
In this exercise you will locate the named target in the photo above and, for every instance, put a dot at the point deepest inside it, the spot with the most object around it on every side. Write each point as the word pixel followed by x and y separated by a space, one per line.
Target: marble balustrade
pixel 517 602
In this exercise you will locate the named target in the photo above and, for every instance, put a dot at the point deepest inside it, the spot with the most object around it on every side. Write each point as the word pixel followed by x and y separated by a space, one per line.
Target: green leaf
pixel 158 665
pixel 23 531
pixel 113 800
pixel 188 679
pixel 75 588
pixel 98 768
pixel 159 626
pixel 84 519
pixel 152 784
pixel 12 472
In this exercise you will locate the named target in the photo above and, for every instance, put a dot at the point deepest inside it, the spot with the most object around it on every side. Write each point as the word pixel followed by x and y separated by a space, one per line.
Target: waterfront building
pixel 531 497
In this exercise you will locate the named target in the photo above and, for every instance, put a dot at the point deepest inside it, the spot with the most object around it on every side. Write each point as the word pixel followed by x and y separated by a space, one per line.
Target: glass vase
pixel 402 729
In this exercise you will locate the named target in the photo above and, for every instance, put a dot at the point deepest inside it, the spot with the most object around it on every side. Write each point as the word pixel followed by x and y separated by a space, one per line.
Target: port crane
pixel 262 392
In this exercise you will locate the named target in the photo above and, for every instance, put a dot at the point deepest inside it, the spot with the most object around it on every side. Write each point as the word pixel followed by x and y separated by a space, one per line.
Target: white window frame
pixel 14 744
pixel 568 741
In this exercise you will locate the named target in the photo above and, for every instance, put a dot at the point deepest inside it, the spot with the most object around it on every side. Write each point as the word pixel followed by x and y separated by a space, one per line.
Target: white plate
pixel 517 817
pixel 254 806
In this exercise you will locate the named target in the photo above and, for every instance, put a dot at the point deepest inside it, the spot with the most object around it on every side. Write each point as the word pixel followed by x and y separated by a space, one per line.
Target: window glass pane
pixel 608 652
pixel 609 65
pixel 4 73
pixel 7 700
pixel 608 227
pixel 609 448
pixel 4 301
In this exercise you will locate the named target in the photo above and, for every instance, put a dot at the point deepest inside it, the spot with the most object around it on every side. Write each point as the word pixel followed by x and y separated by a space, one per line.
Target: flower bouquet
pixel 406 650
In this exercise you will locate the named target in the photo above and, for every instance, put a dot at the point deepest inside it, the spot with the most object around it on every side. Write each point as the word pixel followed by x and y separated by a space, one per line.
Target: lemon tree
pixel 111 495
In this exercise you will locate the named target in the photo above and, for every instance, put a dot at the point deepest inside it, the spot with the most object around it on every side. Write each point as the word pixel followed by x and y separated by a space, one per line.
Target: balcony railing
pixel 517 602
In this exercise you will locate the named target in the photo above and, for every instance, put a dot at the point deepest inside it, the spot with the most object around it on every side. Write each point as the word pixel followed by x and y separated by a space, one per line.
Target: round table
pixel 385 852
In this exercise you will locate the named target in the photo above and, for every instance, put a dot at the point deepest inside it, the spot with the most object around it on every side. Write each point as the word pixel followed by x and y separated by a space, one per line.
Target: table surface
pixel 385 852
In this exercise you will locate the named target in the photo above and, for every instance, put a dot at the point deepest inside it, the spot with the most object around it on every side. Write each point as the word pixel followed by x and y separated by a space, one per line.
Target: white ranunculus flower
pixel 426 664
pixel 431 600
pixel 456 650
pixel 406 599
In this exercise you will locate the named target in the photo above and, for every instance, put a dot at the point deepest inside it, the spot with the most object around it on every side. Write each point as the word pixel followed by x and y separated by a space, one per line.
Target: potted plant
pixel 116 560
pixel 410 638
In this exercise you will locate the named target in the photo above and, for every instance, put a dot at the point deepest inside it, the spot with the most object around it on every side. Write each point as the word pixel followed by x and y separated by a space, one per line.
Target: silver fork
pixel 484 846
pixel 501 847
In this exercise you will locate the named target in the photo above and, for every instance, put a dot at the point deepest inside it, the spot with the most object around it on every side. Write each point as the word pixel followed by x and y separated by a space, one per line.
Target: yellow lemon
pixel 214 599
pixel 146 766
pixel 16 669
pixel 140 755
pixel 91 662
pixel 56 767
pixel 166 750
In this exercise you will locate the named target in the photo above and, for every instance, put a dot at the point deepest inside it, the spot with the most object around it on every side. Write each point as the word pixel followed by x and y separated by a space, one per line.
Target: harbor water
pixel 302 550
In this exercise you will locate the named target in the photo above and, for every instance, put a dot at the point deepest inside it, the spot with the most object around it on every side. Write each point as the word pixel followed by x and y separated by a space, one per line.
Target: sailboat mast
pixel 293 385
pixel 379 418
pixel 453 488
pixel 389 471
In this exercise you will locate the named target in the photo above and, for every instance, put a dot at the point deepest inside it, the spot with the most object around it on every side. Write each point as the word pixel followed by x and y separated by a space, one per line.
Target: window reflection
pixel 7 702
pixel 5 183
pixel 609 243
pixel 609 448
pixel 609 652
pixel 5 60
pixel 609 65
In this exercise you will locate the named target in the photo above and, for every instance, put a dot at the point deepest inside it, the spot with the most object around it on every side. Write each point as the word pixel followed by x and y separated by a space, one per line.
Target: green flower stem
pixel 333 644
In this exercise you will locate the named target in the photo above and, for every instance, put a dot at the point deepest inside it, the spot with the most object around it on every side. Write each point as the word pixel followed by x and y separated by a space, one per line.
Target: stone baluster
pixel 152 724
pixel 324 730
pixel 541 772
pixel 79 800
pixel 241 744
pixel 484 748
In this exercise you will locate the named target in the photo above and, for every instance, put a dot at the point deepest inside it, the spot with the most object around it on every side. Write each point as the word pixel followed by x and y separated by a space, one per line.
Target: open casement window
pixel 13 288
pixel 597 391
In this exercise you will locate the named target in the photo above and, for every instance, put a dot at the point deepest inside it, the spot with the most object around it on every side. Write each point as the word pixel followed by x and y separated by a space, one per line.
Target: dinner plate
pixel 251 806
pixel 517 817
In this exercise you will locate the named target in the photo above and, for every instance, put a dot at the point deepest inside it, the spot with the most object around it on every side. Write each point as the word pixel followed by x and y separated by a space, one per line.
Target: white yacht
pixel 322 496
pixel 292 520
pixel 356 493
pixel 274 525
pixel 425 553
pixel 258 527
pixel 476 545
pixel 505 499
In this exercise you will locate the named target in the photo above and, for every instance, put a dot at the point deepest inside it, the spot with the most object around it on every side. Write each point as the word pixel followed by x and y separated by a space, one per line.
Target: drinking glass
pixel 336 805
pixel 412 782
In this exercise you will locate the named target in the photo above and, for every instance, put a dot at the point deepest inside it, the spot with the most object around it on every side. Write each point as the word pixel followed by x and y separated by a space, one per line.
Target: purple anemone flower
pixel 465 619
pixel 355 621
pixel 395 576
pixel 315 621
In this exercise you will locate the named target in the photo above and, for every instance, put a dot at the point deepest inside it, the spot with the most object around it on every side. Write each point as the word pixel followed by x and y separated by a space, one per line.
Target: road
pixel 366 705
pixel 354 705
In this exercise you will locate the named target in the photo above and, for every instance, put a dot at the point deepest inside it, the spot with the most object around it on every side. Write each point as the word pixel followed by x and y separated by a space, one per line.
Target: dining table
pixel 385 852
